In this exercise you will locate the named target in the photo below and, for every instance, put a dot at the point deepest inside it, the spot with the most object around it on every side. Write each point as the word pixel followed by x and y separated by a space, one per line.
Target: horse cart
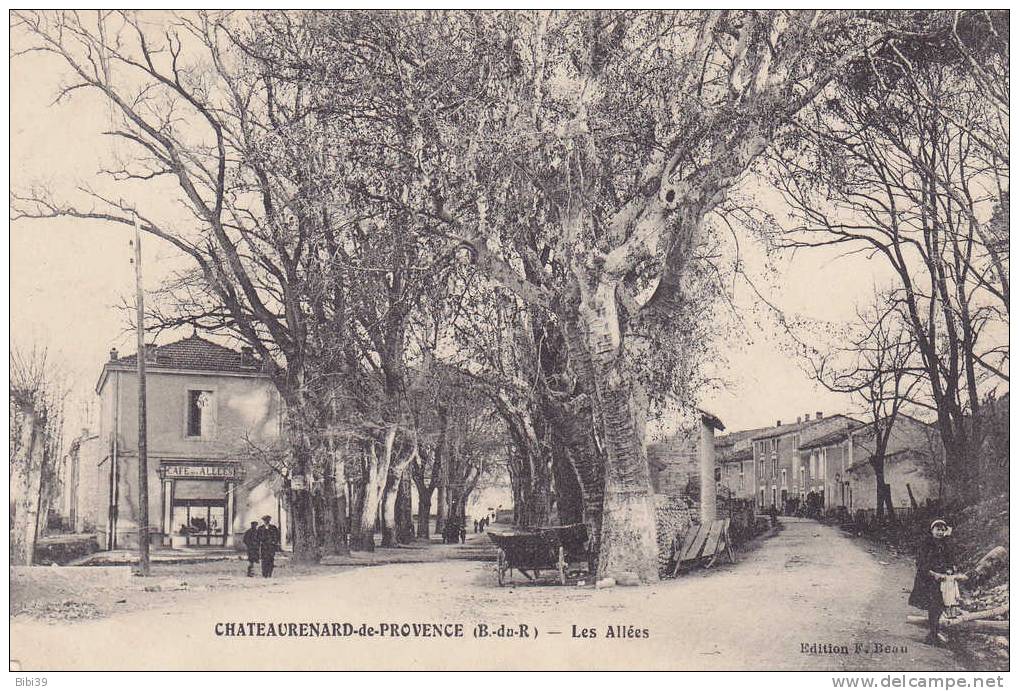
pixel 560 548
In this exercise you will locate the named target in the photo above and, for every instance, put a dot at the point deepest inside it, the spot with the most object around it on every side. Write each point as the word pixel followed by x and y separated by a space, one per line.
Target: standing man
pixel 251 542
pixel 268 545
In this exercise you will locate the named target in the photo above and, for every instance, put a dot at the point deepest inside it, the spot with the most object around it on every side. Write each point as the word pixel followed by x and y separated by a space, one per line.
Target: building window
pixel 784 481
pixel 201 413
pixel 741 476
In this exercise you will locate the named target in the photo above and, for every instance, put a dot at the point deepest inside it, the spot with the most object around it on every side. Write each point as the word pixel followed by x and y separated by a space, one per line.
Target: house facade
pixel 781 477
pixel 735 452
pixel 912 464
pixel 825 455
pixel 209 409
pixel 827 459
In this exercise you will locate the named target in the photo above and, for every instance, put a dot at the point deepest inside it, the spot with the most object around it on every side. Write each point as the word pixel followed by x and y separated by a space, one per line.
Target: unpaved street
pixel 807 585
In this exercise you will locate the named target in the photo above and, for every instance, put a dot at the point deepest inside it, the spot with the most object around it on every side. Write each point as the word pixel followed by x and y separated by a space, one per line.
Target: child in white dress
pixel 950 592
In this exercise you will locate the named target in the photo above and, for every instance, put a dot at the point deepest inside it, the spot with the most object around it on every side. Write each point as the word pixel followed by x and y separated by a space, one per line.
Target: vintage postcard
pixel 509 340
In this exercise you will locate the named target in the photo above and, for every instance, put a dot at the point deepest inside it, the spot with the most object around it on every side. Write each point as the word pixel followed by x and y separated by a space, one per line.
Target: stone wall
pixel 673 515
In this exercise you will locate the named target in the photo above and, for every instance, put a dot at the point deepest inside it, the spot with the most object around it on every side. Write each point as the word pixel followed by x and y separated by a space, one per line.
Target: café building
pixel 213 415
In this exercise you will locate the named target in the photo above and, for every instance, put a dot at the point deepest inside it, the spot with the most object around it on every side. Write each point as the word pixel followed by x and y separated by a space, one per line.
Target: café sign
pixel 183 470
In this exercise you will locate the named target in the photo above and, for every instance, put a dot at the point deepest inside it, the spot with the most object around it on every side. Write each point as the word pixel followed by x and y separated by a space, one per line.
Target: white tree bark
pixel 629 542
pixel 26 486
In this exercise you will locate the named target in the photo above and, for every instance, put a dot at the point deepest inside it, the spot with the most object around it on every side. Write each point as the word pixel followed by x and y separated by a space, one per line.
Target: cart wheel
pixel 562 566
pixel 501 568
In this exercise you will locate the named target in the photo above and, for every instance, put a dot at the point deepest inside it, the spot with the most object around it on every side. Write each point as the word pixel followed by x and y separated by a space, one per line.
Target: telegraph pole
pixel 143 441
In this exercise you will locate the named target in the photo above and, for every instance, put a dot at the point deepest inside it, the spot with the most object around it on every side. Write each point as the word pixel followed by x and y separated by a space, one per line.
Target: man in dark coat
pixel 251 543
pixel 268 545
pixel 933 560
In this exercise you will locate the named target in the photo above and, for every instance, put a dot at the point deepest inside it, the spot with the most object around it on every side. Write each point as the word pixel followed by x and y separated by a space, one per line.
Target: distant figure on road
pixel 933 561
pixel 251 542
pixel 268 545
pixel 475 526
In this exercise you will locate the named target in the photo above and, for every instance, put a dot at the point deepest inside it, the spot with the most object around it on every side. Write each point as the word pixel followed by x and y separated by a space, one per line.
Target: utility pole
pixel 143 441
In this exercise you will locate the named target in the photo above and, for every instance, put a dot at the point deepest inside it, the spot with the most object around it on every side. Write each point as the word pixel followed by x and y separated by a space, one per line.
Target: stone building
pixel 913 465
pixel 209 408
pixel 683 466
pixel 824 459
pixel 778 468
pixel 735 452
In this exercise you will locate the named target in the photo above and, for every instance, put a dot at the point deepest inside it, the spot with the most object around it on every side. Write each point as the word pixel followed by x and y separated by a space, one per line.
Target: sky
pixel 68 277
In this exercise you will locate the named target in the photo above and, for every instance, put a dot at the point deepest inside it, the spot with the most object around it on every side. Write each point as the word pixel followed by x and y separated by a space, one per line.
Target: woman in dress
pixel 934 558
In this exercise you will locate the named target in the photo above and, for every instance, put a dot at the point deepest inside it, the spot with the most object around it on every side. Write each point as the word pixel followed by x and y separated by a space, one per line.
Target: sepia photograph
pixel 497 340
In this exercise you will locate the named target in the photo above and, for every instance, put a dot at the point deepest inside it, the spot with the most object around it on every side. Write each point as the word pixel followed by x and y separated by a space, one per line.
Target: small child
pixel 950 591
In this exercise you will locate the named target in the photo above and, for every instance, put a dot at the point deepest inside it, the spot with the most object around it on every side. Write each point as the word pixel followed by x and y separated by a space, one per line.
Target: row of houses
pixel 214 415
pixel 818 461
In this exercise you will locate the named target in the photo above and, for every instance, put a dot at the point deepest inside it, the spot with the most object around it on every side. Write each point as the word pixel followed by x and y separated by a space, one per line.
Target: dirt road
pixel 806 598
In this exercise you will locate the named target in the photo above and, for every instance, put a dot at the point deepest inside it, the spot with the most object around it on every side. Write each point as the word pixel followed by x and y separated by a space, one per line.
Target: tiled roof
pixel 736 446
pixel 729 456
pixel 733 438
pixel 194 353
pixel 779 430
pixel 833 437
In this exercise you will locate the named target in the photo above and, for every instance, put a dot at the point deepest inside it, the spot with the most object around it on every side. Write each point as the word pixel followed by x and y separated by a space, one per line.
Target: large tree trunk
pixel 629 535
pixel 882 489
pixel 536 494
pixel 332 518
pixel 575 421
pixel 363 537
pixel 27 482
pixel 299 484
pixel 404 512
pixel 302 521
pixel 357 492
pixel 398 476
pixel 389 512
pixel 569 500
pixel 441 505
pixel 424 512
pixel 342 522
pixel 530 474
pixel 375 483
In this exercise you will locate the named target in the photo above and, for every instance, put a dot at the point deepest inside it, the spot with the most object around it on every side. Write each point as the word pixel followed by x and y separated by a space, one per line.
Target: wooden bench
pixel 703 543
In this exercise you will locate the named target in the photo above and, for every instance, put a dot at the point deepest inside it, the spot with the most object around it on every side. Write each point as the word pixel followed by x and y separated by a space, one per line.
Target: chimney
pixel 113 354
pixel 806 417
pixel 819 414
pixel 797 419
pixel 778 423
pixel 150 352
pixel 247 355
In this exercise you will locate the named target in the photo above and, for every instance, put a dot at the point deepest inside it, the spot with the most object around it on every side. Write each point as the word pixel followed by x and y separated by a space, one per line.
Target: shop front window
pixel 200 522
